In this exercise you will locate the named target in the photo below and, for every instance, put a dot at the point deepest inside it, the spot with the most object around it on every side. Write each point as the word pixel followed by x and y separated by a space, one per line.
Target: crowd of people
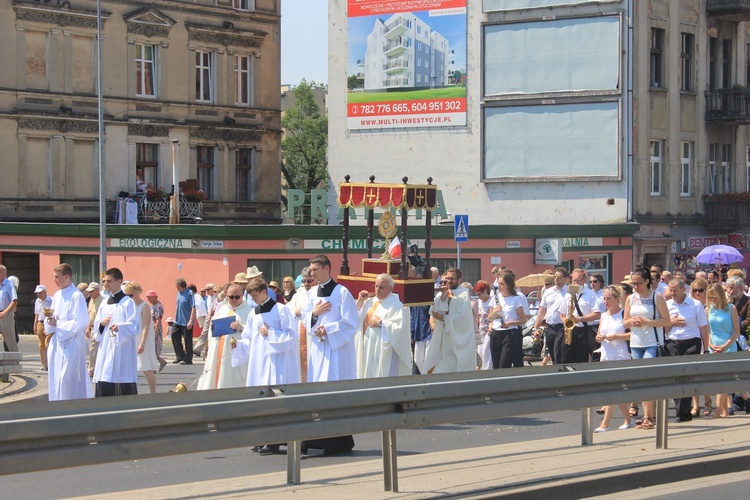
pixel 94 339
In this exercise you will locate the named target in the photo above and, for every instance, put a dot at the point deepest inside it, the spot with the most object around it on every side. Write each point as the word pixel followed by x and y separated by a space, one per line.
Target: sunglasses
pixel 699 290
pixel 234 297
pixel 307 281
pixel 443 282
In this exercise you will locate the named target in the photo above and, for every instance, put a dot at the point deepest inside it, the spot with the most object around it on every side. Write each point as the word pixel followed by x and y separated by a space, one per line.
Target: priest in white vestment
pixel 383 336
pixel 66 355
pixel 452 347
pixel 269 347
pixel 116 330
pixel 331 324
pixel 301 302
pixel 218 372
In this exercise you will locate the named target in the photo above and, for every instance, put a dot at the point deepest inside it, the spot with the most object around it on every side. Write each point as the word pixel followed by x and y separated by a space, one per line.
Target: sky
pixel 304 41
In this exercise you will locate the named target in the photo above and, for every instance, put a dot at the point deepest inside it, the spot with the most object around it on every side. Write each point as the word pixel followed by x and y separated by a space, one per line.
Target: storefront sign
pixel 582 242
pixel 354 244
pixel 212 244
pixel 151 243
pixel 547 251
pixel 512 244
pixel 701 242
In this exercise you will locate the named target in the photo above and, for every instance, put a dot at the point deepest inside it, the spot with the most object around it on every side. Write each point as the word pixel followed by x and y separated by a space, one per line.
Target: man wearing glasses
pixel 586 310
pixel 549 313
pixel 452 347
pixel 218 372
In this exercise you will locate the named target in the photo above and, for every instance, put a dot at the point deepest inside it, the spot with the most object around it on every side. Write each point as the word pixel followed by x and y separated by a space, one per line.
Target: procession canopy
pixel 371 195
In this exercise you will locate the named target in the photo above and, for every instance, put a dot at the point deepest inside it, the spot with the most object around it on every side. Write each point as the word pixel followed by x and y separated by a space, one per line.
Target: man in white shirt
pixel 656 282
pixel 8 301
pixel 688 329
pixel 43 301
pixel 549 313
pixel 585 310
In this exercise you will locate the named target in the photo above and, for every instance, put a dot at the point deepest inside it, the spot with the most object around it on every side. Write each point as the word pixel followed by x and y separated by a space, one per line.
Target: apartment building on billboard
pixel 404 52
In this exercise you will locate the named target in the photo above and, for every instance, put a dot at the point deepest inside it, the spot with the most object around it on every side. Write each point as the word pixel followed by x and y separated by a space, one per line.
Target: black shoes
pixel 269 449
pixel 176 361
pixel 255 449
pixel 183 362
pixel 684 418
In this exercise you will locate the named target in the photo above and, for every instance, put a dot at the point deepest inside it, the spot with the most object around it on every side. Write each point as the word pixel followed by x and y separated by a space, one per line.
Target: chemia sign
pixel 319 206
pixel 151 243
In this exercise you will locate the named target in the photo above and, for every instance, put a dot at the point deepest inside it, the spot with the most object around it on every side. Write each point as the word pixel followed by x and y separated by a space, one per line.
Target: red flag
pixel 395 248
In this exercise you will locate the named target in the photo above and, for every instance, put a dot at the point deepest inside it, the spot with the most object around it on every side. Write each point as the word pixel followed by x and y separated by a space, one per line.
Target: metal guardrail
pixel 10 362
pixel 41 436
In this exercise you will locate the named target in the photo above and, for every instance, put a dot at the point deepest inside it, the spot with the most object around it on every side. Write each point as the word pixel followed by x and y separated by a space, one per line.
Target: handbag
pixel 661 349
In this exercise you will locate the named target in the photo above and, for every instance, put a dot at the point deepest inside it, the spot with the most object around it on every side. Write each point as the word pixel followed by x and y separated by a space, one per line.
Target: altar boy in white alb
pixel 66 354
pixel 269 346
pixel 116 330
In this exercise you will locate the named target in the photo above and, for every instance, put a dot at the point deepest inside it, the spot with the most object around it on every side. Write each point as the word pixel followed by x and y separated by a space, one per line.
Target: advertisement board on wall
pixel 406 64
pixel 547 251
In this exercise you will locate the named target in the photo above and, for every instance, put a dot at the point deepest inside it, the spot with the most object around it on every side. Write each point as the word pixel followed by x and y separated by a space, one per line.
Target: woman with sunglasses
pixel 698 292
pixel 613 338
pixel 645 314
pixel 724 325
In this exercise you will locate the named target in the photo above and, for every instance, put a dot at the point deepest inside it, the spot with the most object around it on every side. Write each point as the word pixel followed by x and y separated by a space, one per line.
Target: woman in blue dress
pixel 724 323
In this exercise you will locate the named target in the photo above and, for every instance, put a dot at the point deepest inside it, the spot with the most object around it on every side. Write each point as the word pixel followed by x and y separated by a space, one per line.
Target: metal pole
pixel 587 426
pixel 662 425
pixel 293 462
pixel 100 104
pixel 174 211
pixel 458 254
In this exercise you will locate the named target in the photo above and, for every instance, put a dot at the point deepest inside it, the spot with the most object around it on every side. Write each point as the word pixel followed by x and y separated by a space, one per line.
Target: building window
pixel 656 163
pixel 204 76
pixel 419 62
pixel 712 150
pixel 145 70
pixel 205 159
pixel 713 48
pixel 242 4
pixel 657 47
pixel 85 267
pixel 686 58
pixel 726 167
pixel 242 90
pixel 244 174
pixel 687 168
pixel 147 165
pixel 726 64
pixel 276 270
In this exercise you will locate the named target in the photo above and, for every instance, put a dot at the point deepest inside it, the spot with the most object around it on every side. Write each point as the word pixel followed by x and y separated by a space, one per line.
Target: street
pixel 241 461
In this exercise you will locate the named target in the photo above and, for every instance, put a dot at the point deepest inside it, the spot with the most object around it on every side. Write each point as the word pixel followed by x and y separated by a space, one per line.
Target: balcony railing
pixel 159 209
pixel 728 105
pixel 730 10
pixel 733 214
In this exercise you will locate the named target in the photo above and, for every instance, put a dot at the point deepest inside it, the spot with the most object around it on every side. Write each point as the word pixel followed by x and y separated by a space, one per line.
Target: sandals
pixel 646 423
pixel 633 410
pixel 695 412
pixel 708 410
pixel 600 411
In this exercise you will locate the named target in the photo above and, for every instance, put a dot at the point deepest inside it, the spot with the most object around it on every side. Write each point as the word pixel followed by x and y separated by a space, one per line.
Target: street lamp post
pixel 174 211
pixel 102 193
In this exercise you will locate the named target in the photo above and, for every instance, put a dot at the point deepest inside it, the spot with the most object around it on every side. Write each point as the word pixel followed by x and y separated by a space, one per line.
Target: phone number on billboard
pixel 388 108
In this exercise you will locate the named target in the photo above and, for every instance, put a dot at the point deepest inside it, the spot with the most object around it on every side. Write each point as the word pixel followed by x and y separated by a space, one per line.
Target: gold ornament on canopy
pixel 387 229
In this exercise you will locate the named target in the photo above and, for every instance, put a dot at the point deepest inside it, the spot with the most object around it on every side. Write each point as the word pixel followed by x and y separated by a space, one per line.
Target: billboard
pixel 406 64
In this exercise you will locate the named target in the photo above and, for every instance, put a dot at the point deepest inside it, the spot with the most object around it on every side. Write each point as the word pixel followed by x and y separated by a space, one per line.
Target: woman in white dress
pixel 147 362
pixel 613 337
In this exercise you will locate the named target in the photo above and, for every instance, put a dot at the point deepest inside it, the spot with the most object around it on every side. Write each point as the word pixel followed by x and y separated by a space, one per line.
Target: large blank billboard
pixel 549 142
pixel 552 56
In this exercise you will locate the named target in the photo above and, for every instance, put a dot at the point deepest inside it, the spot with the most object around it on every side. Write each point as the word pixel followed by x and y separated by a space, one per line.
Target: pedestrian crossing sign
pixel 461 228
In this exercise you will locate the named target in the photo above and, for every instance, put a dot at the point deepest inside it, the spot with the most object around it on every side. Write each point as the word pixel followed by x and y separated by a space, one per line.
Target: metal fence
pixel 41 436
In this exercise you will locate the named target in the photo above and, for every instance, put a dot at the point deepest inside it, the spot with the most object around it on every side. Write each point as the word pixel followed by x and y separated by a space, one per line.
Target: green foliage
pixel 304 149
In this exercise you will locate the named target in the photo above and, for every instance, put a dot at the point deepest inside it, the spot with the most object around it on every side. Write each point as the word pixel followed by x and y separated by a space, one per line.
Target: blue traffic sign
pixel 461 228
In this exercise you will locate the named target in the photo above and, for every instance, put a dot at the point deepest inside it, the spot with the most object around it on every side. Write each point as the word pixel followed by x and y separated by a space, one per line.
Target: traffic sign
pixel 461 228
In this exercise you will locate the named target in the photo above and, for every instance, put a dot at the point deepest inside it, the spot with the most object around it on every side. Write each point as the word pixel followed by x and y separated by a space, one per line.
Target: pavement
pixel 622 463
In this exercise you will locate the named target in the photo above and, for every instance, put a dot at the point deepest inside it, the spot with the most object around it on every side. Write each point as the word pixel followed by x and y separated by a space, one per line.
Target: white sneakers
pixel 627 425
